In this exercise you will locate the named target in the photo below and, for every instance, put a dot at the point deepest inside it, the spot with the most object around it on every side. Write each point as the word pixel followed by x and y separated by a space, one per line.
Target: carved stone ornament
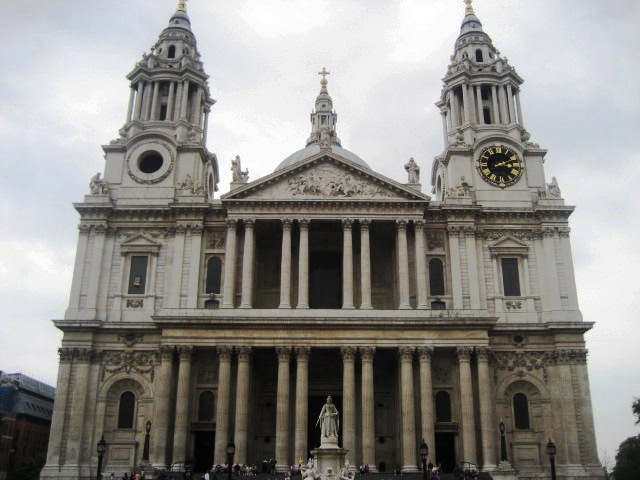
pixel 519 234
pixel 135 303
pixel 435 241
pixel 513 304
pixel 190 186
pixel 569 357
pixel 207 374
pixel 141 362
pixel 461 191
pixel 216 240
pixel 520 362
pixel 130 339
pixel 327 182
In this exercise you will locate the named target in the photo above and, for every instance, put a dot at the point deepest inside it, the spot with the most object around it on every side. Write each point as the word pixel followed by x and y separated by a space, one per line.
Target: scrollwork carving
pixel 521 361
pixel 434 241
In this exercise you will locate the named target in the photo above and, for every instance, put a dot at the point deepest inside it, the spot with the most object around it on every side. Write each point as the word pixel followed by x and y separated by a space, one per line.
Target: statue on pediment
pixel 413 170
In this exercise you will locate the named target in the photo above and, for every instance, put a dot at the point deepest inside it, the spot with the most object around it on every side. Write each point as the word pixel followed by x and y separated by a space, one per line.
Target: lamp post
pixel 145 451
pixel 424 451
pixel 231 450
pixel 102 447
pixel 551 451
pixel 503 443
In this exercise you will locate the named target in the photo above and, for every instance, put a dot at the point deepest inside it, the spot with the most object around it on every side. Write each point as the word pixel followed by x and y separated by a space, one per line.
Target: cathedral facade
pixel 450 319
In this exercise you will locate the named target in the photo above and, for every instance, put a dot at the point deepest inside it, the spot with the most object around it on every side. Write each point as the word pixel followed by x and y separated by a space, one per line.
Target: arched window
pixel 478 55
pixel 172 51
pixel 521 411
pixel 214 274
pixel 443 407
pixel 436 277
pixel 205 407
pixel 126 410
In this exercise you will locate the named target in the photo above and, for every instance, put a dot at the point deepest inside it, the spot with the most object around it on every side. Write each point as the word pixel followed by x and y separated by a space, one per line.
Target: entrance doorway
pixel 325 285
pixel 445 451
pixel 203 451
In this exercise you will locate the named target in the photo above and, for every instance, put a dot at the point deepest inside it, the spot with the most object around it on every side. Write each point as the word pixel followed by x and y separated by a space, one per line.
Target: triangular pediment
pixel 508 244
pixel 325 177
pixel 140 242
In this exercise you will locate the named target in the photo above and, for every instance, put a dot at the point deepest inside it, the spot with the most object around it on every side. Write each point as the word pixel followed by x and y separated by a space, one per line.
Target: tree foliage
pixel 628 456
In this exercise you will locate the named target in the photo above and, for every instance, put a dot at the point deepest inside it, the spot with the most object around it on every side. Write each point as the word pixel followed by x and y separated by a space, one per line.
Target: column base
pixel 366 306
pixel 302 305
pixel 409 469
pixel 348 306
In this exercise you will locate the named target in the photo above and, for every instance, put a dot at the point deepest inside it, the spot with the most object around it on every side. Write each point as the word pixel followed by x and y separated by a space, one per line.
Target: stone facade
pixel 232 319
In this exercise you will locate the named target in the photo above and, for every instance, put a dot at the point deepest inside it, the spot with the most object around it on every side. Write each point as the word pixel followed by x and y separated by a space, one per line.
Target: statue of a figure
pixel 325 137
pixel 310 473
pixel 345 472
pixel 413 170
pixel 553 190
pixel 236 169
pixel 97 186
pixel 329 420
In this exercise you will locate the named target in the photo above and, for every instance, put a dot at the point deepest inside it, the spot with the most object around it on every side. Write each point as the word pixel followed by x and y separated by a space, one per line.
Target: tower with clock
pixel 489 159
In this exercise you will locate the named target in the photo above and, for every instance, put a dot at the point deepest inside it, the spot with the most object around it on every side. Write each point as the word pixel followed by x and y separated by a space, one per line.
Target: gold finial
pixel 182 5
pixel 323 82
pixel 469 9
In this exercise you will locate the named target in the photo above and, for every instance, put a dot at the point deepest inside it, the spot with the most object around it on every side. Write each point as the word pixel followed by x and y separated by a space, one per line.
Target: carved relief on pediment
pixel 326 181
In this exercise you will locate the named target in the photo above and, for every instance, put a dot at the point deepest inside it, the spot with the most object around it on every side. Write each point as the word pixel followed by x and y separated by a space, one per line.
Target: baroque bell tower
pixel 488 158
pixel 163 141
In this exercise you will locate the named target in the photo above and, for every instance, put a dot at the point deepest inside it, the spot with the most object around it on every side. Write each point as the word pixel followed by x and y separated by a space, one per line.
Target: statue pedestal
pixel 329 460
pixel 504 471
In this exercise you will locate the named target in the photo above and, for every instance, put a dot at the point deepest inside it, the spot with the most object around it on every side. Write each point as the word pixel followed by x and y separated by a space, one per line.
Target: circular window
pixel 150 162
pixel 518 339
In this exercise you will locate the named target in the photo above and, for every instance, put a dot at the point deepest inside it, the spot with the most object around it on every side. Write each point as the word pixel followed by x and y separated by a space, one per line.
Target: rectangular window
pixel 510 277
pixel 138 275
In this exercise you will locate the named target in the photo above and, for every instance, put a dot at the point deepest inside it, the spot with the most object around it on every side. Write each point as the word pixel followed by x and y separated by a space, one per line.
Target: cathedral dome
pixel 314 149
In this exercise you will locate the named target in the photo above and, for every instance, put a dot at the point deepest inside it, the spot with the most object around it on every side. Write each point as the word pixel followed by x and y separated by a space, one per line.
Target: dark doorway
pixel 203 451
pixel 325 285
pixel 446 450
pixel 315 406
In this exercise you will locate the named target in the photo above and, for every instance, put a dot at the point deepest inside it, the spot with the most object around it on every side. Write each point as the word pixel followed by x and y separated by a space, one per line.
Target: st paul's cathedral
pixel 448 318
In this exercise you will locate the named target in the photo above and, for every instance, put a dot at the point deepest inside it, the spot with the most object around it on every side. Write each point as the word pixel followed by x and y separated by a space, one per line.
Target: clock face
pixel 499 165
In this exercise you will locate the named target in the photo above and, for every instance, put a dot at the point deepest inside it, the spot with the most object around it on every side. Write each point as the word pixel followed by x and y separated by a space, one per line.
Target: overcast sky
pixel 63 93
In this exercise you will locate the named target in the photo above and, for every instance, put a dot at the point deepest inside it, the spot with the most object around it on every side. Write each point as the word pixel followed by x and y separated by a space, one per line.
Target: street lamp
pixel 551 451
pixel 231 450
pixel 145 451
pixel 102 447
pixel 424 451
pixel 503 443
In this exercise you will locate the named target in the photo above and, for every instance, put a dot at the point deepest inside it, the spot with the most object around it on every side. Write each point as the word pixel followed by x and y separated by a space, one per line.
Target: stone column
pixel 181 427
pixel 59 407
pixel 472 104
pixel 161 404
pixel 403 265
pixel 302 402
pixel 175 277
pixel 421 266
pixel 468 426
pixel 550 269
pixel 455 118
pixel 456 269
pixel 154 101
pixel 222 404
pixel 445 127
pixel 365 266
pixel 132 97
pixel 502 100
pixel 178 101
pixel 497 287
pixel 171 101
pixel 465 104
pixel 567 255
pixel 137 109
pixel 486 391
pixel 566 360
pixel 96 267
pixel 479 102
pixel 519 109
pixel 285 266
pixel 241 433
pixel 194 265
pixel 303 269
pixel 588 446
pixel 472 266
pixel 349 400
pixel 347 264
pixel 494 101
pixel 230 267
pixel 205 127
pixel 557 403
pixel 408 411
pixel 512 110
pixel 426 399
pixel 282 409
pixel 368 408
pixel 146 101
pixel 78 267
pixel 247 265
pixel 82 358
pixel 184 107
